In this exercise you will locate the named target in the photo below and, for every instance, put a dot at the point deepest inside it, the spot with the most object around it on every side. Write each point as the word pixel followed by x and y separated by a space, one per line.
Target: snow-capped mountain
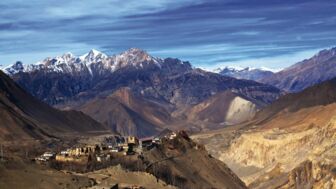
pixel 248 73
pixel 14 68
pixel 93 56
pixel 93 62
pixel 104 86
pixel 68 77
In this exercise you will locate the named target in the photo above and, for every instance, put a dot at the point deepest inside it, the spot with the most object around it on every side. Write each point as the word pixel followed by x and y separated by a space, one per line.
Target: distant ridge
pixel 319 68
pixel 24 117
pixel 320 94
pixel 248 73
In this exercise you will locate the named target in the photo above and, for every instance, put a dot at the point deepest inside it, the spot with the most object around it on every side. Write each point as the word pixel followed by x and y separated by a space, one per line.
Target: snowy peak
pixel 68 57
pixel 14 68
pixel 243 69
pixel 94 52
pixel 249 73
pixel 135 51
pixel 135 57
pixel 64 59
pixel 94 61
pixel 93 56
pixel 230 69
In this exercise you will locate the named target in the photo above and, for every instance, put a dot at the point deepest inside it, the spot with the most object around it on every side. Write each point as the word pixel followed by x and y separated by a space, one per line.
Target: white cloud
pixel 111 8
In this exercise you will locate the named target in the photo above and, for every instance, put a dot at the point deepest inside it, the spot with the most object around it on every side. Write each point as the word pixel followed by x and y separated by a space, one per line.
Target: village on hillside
pixel 113 146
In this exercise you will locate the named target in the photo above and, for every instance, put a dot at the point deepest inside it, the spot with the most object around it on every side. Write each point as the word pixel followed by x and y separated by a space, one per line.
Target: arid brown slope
pixel 225 108
pixel 22 116
pixel 116 174
pixel 14 173
pixel 128 114
pixel 322 94
pixel 185 164
pixel 268 152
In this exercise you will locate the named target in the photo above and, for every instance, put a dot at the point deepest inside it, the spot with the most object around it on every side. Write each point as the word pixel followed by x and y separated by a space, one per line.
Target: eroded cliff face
pixel 226 108
pixel 319 174
pixel 266 149
pixel 316 174
pixel 263 148
pixel 240 110
pixel 275 156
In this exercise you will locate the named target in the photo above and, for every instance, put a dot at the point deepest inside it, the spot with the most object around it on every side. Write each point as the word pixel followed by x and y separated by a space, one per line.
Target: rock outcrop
pixel 290 144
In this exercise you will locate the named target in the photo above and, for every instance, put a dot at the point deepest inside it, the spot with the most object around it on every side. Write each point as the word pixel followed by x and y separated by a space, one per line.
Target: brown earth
pixel 24 117
pixel 106 178
pixel 267 152
pixel 188 165
pixel 226 108
pixel 18 174
pixel 128 114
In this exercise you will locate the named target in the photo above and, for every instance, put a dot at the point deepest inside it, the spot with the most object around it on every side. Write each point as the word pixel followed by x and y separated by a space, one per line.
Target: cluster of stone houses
pixel 46 156
pixel 129 145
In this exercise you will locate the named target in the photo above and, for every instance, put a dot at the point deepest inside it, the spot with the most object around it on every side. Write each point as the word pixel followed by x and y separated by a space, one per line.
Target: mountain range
pixel 321 67
pixel 168 89
pixel 29 126
pixel 255 74
pixel 269 138
pixel 134 93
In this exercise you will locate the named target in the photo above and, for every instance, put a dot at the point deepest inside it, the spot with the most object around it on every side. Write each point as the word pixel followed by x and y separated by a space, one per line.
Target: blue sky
pixel 208 33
